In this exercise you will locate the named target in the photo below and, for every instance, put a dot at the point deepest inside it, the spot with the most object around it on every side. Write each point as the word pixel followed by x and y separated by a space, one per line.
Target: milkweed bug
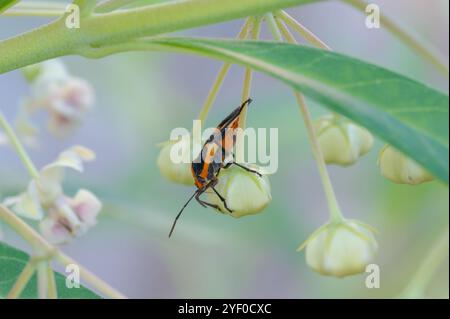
pixel 212 158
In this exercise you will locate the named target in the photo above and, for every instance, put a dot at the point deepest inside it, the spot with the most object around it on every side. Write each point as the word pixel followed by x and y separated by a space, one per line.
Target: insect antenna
pixel 179 214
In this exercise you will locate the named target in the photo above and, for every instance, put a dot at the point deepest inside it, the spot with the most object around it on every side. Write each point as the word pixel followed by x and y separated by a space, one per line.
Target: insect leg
pixel 204 204
pixel 247 169
pixel 222 199
pixel 214 183
pixel 242 166
pixel 179 214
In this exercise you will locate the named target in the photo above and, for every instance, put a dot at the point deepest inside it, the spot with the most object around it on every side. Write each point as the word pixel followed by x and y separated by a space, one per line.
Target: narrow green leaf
pixel 13 261
pixel 5 4
pixel 405 113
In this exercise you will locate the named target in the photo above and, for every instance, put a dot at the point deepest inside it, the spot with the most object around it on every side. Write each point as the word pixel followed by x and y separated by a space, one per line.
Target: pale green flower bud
pixel 341 141
pixel 246 193
pixel 175 159
pixel 340 249
pixel 399 168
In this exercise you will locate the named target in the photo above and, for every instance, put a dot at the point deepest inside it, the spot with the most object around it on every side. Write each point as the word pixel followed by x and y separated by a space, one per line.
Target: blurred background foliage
pixel 141 97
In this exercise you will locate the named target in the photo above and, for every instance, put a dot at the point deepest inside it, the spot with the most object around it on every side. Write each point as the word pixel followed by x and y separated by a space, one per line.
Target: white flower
pixel 65 97
pixel 70 217
pixel 175 160
pixel 245 192
pixel 341 141
pixel 399 168
pixel 67 217
pixel 340 249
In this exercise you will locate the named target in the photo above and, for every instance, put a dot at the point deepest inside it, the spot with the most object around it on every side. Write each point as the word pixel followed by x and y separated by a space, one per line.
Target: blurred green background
pixel 140 97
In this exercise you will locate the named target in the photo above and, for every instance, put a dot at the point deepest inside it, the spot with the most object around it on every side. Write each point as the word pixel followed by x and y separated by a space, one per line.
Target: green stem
pixel 417 286
pixel 22 280
pixel 303 31
pixel 270 20
pixel 18 147
pixel 223 71
pixel 42 280
pixel 55 39
pixel 111 5
pixel 38 9
pixel 246 87
pixel 52 291
pixel 336 216
pixel 6 4
pixel 41 245
pixel 248 73
pixel 414 42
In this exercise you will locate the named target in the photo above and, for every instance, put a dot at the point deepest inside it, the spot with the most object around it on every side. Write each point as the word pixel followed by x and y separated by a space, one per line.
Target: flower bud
pixel 400 169
pixel 340 249
pixel 341 141
pixel 175 159
pixel 245 192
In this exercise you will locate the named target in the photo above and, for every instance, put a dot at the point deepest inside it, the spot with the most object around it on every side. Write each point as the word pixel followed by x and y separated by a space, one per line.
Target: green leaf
pixel 405 113
pixel 5 4
pixel 12 262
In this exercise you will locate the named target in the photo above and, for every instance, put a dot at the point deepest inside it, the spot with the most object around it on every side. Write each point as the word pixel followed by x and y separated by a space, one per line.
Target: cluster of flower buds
pixel 341 141
pixel 245 192
pixel 66 98
pixel 61 217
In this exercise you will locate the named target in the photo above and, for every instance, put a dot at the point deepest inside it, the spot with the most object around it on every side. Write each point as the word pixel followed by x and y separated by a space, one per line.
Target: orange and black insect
pixel 212 158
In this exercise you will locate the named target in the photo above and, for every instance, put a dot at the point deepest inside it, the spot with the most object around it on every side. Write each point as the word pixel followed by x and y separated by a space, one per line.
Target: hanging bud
pixel 340 249
pixel 245 192
pixel 400 169
pixel 341 141
pixel 175 159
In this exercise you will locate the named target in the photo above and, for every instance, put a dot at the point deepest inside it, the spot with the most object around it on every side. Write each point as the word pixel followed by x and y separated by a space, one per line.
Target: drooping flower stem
pixel 51 252
pixel 302 30
pixel 417 286
pixel 255 26
pixel 248 74
pixel 18 147
pixel 336 216
pixel 223 71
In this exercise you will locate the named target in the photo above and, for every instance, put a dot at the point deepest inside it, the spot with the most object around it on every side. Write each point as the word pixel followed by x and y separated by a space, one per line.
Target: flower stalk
pixel 439 250
pixel 223 71
pixel 22 280
pixel 302 30
pixel 336 216
pixel 18 147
